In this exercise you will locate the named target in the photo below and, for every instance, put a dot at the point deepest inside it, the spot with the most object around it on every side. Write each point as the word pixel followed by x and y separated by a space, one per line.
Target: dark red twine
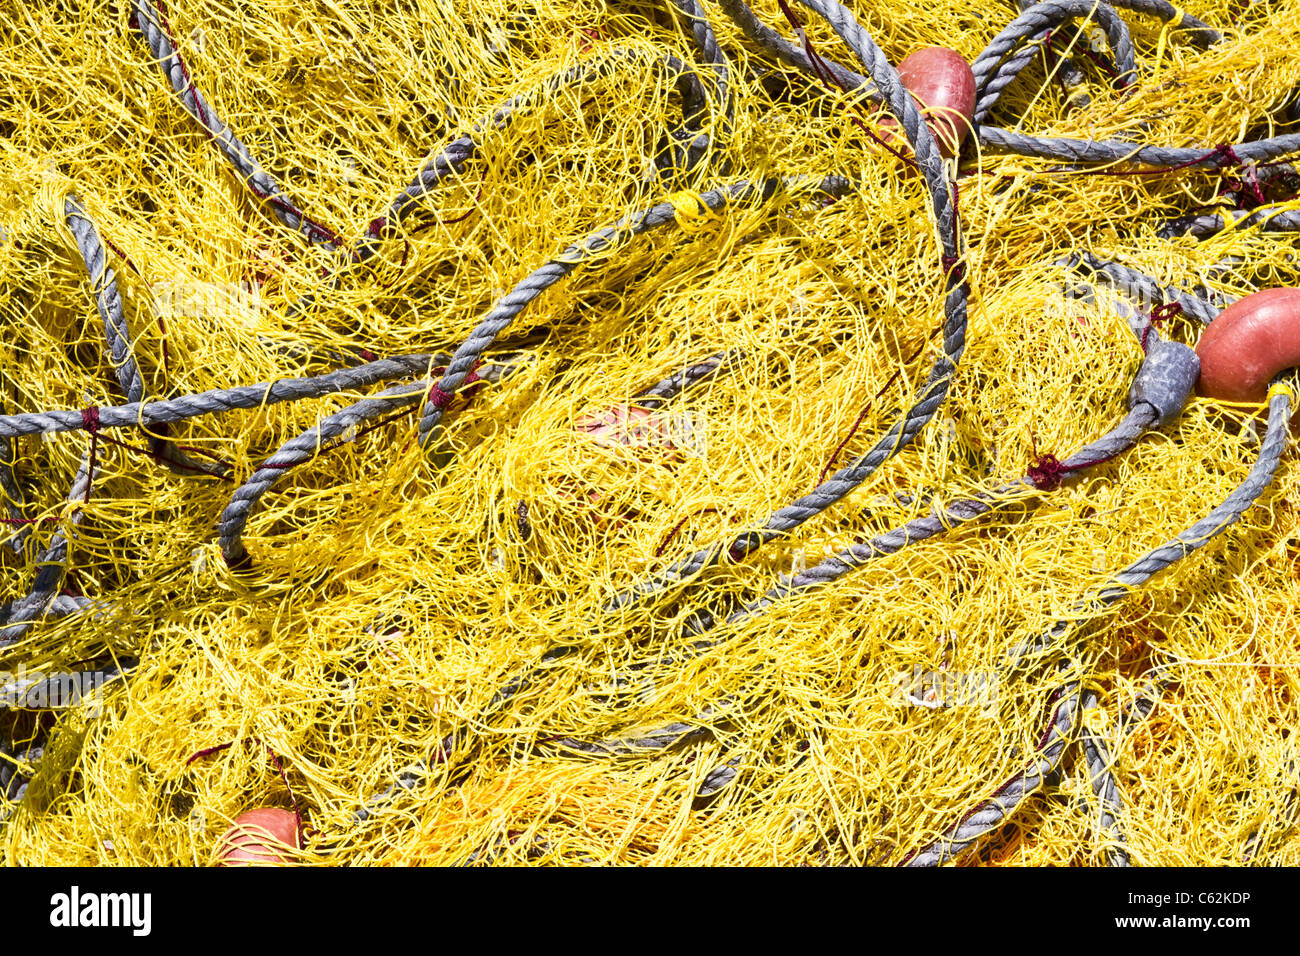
pixel 1047 473
pixel 857 423
pixel 678 527
pixel 208 752
pixel 275 759
pixel 1247 189
pixel 90 422
pixel 440 399
pixel 1222 151
pixel 830 80
pixel 1159 314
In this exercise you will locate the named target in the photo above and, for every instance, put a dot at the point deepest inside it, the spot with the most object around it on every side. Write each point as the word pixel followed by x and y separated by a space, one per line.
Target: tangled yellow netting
pixel 389 599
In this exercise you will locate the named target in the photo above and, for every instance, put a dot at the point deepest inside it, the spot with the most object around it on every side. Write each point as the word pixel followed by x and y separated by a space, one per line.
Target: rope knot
pixel 243 562
pixel 953 265
pixel 1046 473
pixel 440 399
pixel 1247 188
pixel 1167 311
pixel 472 377
pixel 1157 315
pixel 90 419
pixel 1229 155
pixel 377 226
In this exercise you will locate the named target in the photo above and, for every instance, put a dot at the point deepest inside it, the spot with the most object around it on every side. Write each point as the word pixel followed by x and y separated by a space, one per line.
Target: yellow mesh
pixel 389 600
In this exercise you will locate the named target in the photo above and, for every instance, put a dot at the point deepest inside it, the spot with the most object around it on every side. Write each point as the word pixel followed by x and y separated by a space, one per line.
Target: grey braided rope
pixel 537 847
pixel 1033 25
pixel 1144 704
pixel 108 300
pixel 954 514
pixel 1141 323
pixel 663 738
pixel 991 78
pixel 999 75
pixel 1156 397
pixel 62 689
pixel 15 500
pixel 765 37
pixel 1119 152
pixel 1141 417
pixel 509 306
pixel 1140 286
pixel 1101 778
pixel 1197 536
pixel 653 397
pixel 934 391
pixel 1199 32
pixel 1290 811
pixel 672 386
pixel 53 565
pixel 1268 218
pixel 1159 392
pixel 719 778
pixel 223 399
pixel 452 157
pixel 1004 73
pixel 305 446
pixel 61 606
pixel 992 813
pixel 411 778
pixel 687 146
pixel 149 20
pixel 1064 67
pixel 14 781
pixel 707 41
pixel 988 89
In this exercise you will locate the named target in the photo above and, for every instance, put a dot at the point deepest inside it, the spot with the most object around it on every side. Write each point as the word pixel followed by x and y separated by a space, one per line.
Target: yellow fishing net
pixel 391 596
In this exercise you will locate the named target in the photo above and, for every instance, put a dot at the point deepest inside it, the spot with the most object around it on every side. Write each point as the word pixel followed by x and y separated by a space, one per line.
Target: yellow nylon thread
pixel 388 603
pixel 691 213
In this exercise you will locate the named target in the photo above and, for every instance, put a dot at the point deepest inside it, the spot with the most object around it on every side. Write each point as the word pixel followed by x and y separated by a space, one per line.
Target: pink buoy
pixel 1248 344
